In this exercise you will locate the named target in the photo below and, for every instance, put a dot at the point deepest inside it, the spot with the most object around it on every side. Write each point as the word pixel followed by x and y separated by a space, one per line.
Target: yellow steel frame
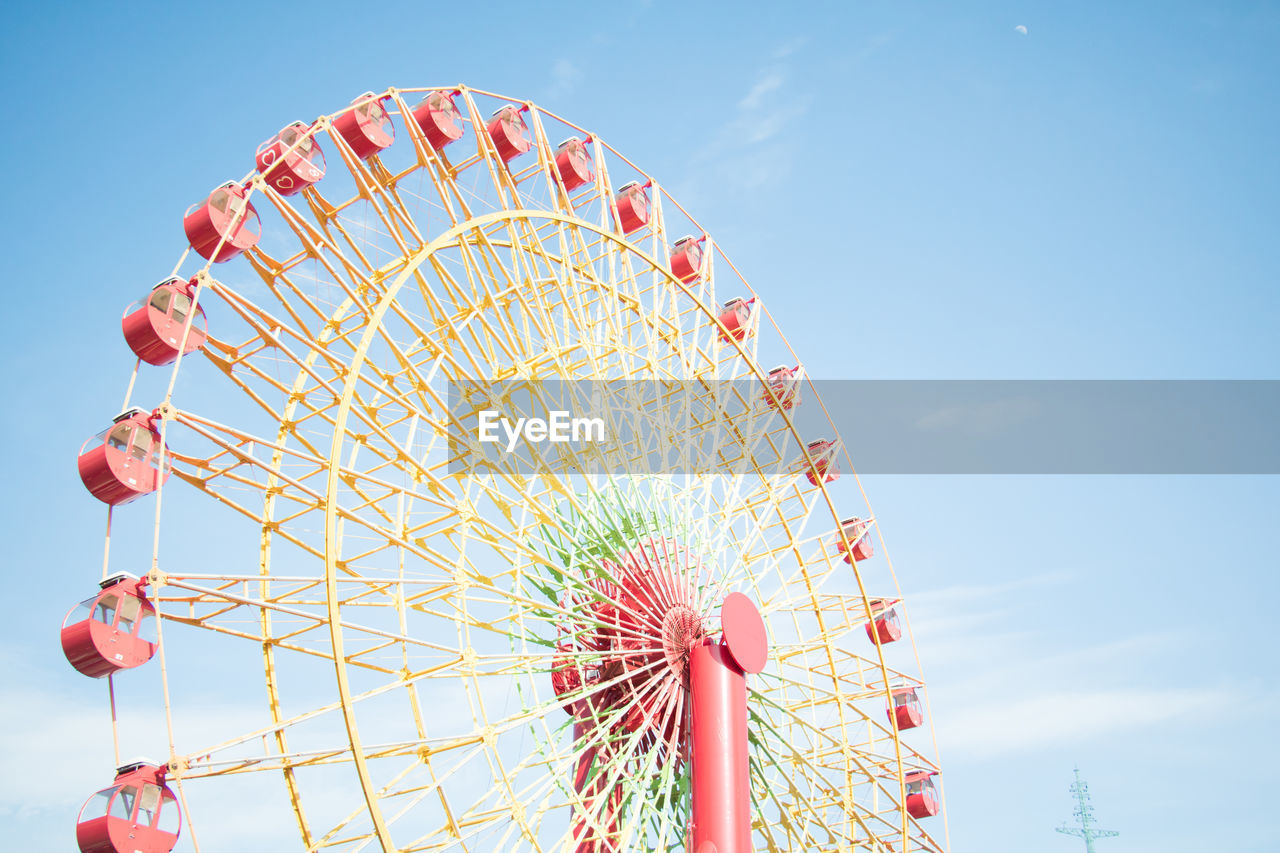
pixel 432 268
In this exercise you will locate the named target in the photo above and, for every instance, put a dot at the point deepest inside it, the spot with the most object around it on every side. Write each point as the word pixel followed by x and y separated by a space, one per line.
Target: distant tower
pixel 1084 813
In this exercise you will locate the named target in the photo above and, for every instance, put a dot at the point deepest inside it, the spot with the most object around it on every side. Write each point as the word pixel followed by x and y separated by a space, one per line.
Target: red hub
pixel 634 659
pixel 625 643
pixel 681 631
pixel 623 664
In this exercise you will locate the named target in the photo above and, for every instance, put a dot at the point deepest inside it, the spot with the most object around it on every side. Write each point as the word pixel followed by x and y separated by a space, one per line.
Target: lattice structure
pixel 462 610
pixel 1083 813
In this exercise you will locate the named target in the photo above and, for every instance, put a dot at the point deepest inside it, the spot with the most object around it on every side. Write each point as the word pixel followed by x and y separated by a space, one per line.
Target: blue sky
pixel 918 191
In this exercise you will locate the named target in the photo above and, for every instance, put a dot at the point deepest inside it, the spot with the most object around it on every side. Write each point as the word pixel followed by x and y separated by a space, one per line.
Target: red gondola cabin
pixel 153 326
pixel 366 127
pixel 824 455
pixel 291 160
pixel 121 463
pixel 735 319
pixel 782 388
pixel 686 258
pixel 859 547
pixel 226 217
pixel 438 119
pixel 922 796
pixel 509 133
pixel 111 631
pixel 573 163
pixel 906 708
pixel 884 623
pixel 632 205
pixel 137 814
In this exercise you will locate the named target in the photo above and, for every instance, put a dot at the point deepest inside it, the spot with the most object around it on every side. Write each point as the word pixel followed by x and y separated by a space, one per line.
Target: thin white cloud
pixel 998 684
pixel 1021 28
pixel 770 82
pixel 67 741
pixel 952 596
pixel 1021 721
pixel 789 47
pixel 565 78
pixel 981 418
pixel 982 627
pixel 868 47
pixel 767 109
pixel 748 150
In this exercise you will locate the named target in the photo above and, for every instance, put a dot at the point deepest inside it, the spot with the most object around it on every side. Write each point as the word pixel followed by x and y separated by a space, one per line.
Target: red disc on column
pixel 744 632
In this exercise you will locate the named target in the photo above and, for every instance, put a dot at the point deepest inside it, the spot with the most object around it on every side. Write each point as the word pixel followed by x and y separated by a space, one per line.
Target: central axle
pixel 638 672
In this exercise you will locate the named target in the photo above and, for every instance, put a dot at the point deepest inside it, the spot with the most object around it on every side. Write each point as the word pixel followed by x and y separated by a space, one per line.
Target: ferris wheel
pixel 466 650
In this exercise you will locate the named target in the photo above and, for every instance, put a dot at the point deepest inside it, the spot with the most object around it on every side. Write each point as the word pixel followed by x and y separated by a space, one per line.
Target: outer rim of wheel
pixel 374 324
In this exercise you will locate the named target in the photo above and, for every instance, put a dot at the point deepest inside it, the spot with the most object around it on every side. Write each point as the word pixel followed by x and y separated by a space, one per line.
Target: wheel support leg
pixel 721 781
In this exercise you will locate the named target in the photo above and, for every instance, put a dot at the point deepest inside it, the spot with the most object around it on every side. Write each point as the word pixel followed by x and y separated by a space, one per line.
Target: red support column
pixel 721 781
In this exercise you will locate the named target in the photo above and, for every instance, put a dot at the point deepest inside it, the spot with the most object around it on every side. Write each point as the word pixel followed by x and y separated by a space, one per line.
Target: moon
pixel 1021 28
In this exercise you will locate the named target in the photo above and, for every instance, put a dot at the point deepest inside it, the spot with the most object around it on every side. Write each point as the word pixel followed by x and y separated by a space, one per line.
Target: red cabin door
pixel 175 307
pixel 154 818
pixel 106 612
pixel 136 469
pixel 129 638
